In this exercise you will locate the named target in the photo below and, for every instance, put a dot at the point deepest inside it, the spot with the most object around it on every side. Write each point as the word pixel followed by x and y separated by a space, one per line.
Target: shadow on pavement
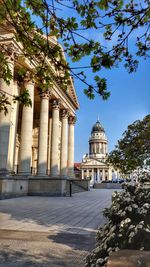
pixel 75 241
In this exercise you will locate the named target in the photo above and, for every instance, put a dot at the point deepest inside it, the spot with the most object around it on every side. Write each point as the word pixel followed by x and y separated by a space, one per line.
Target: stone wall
pixel 40 186
pixel 78 185
pixel 11 187
pixel 108 186
pixel 47 187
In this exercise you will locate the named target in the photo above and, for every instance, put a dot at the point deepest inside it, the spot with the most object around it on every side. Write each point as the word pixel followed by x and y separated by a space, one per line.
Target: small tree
pixel 133 150
pixel 127 227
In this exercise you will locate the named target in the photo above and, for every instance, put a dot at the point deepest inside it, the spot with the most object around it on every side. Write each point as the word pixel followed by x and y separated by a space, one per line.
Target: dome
pixel 97 127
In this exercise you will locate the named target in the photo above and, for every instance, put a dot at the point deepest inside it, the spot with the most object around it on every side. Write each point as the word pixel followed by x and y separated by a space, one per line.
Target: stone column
pixel 49 145
pixel 5 119
pixel 82 174
pixel 26 133
pixel 72 121
pixel 55 138
pixel 64 144
pixel 98 175
pixel 104 148
pixel 93 178
pixel 99 148
pixel 13 128
pixel 87 173
pixel 95 148
pixel 43 134
pixel 103 175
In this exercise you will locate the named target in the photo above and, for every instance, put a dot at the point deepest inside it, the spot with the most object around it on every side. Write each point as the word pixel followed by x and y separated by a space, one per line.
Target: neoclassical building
pixel 36 143
pixel 94 164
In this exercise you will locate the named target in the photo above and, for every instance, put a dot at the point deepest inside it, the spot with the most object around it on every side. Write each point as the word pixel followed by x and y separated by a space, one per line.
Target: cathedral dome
pixel 97 127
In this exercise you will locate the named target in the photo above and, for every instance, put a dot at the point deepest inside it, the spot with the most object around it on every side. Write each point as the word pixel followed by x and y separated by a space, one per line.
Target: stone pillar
pixel 64 144
pixel 99 148
pixel 103 175
pixel 49 145
pixel 72 121
pixel 82 174
pixel 43 134
pixel 5 119
pixel 87 173
pixel 13 128
pixel 26 133
pixel 55 138
pixel 104 148
pixel 93 178
pixel 98 175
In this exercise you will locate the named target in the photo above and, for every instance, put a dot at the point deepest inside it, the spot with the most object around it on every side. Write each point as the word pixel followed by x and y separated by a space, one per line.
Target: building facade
pixel 94 164
pixel 36 142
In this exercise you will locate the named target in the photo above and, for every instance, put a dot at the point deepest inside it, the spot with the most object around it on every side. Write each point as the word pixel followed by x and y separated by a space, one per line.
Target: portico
pixel 36 142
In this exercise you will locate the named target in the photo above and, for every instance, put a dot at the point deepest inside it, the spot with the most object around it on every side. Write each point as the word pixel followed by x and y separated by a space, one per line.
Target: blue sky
pixel 129 101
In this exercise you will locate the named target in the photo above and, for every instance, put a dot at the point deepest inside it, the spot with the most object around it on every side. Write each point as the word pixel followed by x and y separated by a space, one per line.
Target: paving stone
pixel 50 231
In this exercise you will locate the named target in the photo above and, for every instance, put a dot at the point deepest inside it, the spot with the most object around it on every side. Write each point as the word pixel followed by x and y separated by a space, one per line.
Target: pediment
pixel 93 162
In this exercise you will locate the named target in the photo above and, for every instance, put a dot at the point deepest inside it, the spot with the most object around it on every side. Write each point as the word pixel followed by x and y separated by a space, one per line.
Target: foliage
pixel 133 150
pixel 116 21
pixel 128 225
pixel 5 102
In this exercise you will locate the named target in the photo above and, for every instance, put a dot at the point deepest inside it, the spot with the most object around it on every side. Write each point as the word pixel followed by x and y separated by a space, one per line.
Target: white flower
pixel 132 234
pixel 122 223
pixel 100 261
pixel 141 222
pixel 131 226
pixel 146 205
pixel 127 220
pixel 129 208
pixel 134 206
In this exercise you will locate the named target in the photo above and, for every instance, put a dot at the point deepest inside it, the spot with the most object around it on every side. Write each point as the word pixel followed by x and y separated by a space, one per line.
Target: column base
pixel 64 176
pixel 6 173
pixel 24 174
pixel 40 175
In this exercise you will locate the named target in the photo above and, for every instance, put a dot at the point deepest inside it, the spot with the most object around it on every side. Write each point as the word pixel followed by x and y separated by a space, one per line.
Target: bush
pixel 128 225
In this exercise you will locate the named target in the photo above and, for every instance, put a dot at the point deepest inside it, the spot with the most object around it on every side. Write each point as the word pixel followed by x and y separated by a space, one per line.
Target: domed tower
pixel 98 142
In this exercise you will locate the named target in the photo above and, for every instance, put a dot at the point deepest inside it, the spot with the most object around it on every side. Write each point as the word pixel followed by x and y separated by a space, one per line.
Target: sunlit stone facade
pixel 36 141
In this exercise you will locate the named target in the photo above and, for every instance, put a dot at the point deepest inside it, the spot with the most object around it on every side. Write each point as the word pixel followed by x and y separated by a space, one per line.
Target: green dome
pixel 97 127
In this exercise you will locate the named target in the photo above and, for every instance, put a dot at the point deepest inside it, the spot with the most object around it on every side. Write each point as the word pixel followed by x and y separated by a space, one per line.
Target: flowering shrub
pixel 128 225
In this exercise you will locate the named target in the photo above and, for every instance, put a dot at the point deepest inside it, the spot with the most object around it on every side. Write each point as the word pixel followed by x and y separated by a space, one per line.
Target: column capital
pixel 64 113
pixel 9 50
pixel 56 104
pixel 45 94
pixel 28 78
pixel 72 120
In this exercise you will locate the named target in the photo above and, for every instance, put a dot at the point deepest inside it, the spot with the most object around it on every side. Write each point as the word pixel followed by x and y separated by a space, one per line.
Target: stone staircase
pixel 77 186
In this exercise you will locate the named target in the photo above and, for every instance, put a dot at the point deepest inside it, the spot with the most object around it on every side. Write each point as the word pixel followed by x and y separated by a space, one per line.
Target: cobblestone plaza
pixel 48 231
